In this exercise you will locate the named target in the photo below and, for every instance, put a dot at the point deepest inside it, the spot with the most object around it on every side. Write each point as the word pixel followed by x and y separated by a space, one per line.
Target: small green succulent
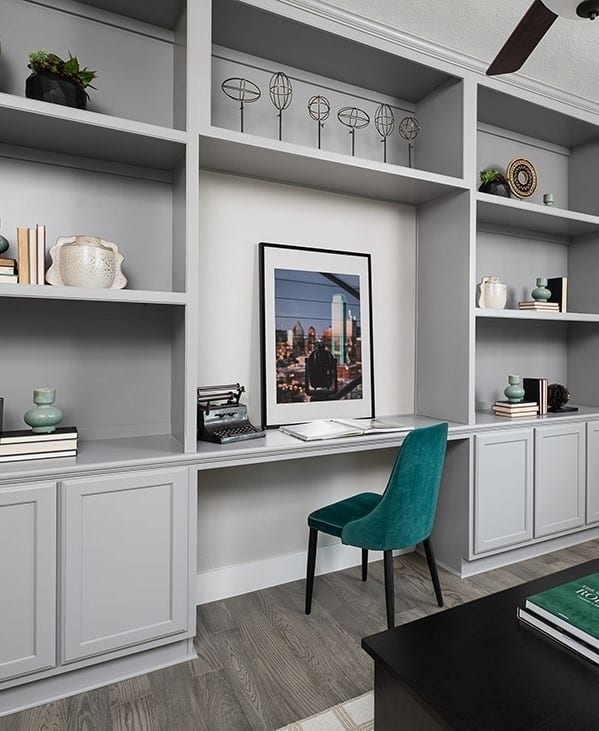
pixel 492 175
pixel 70 69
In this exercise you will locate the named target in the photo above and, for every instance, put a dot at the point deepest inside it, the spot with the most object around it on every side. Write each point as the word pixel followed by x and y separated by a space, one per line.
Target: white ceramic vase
pixel 492 293
pixel 86 261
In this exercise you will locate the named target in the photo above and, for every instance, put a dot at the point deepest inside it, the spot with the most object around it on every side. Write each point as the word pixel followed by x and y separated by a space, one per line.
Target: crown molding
pixel 518 81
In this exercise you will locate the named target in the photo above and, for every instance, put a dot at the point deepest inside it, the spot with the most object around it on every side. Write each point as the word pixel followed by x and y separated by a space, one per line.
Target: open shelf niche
pixel 520 240
pixel 347 73
pixel 137 49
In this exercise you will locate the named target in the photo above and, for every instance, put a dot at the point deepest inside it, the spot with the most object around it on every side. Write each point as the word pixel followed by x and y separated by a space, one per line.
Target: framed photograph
pixel 316 327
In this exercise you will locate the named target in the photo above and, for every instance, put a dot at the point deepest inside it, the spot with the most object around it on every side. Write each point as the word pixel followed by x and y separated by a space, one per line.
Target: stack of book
pixel 535 389
pixel 16 446
pixel 515 410
pixel 8 271
pixel 534 306
pixel 569 614
pixel 31 245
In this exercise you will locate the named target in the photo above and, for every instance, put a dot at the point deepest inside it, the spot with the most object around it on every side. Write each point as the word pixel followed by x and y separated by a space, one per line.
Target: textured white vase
pixel 86 261
pixel 492 293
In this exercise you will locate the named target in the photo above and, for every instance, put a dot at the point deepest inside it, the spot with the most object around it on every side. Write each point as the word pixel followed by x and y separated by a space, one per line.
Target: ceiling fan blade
pixel 524 39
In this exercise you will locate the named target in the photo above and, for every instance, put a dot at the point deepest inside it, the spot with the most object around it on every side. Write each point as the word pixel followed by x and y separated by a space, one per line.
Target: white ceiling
pixel 567 57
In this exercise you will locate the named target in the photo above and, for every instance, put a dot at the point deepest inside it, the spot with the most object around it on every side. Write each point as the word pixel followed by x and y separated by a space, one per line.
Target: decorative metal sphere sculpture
pixel 354 118
pixel 319 109
pixel 281 94
pixel 409 128
pixel 243 91
pixel 384 121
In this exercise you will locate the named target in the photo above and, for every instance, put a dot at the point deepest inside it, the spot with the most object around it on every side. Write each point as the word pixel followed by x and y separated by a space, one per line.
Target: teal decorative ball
pixel 3 244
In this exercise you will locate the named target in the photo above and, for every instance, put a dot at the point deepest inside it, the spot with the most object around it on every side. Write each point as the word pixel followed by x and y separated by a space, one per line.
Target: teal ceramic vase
pixel 540 293
pixel 44 417
pixel 514 392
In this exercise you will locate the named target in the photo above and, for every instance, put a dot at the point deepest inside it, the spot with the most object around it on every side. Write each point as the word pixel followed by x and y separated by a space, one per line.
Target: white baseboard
pixel 245 577
pixel 47 690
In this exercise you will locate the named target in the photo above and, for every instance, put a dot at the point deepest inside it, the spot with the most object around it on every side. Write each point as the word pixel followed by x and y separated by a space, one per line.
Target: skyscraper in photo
pixel 339 327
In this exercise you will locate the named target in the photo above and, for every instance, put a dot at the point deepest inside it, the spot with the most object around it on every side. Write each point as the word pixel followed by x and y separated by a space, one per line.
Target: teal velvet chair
pixel 402 516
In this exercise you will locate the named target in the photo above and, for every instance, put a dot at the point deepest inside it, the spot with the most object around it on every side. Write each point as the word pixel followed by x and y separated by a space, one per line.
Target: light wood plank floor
pixel 262 663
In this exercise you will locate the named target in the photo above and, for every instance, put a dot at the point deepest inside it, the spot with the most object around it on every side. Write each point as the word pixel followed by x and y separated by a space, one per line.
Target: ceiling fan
pixel 539 17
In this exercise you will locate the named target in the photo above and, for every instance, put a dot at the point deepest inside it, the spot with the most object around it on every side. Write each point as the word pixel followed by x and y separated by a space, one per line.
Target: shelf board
pixel 46 291
pixel 487 419
pixel 515 214
pixel 155 12
pixel 101 454
pixel 244 154
pixel 40 125
pixel 527 315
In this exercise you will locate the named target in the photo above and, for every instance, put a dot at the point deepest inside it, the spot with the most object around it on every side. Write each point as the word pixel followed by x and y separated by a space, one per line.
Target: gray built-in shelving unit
pixel 126 363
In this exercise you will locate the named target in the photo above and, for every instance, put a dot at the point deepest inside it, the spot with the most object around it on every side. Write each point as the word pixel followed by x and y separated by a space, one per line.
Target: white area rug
pixel 356 714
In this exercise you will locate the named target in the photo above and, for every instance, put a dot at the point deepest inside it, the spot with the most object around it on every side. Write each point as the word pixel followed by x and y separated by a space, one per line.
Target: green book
pixel 573 606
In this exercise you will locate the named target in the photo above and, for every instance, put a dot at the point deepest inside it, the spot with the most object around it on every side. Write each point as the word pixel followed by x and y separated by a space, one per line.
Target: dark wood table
pixel 476 667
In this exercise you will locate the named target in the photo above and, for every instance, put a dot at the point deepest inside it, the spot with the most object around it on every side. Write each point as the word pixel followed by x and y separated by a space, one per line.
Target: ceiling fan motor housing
pixel 574 9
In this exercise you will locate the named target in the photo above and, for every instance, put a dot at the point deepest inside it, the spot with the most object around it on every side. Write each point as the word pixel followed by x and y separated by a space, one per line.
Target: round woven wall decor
pixel 522 177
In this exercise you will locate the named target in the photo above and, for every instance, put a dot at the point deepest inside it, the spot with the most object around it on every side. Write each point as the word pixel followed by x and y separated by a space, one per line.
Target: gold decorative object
pixel 522 177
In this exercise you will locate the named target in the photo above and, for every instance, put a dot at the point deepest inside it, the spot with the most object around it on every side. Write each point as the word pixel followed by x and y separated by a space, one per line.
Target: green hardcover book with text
pixel 573 606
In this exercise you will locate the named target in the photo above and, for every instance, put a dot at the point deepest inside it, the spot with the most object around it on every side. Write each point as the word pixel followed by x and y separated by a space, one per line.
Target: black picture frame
pixel 315 334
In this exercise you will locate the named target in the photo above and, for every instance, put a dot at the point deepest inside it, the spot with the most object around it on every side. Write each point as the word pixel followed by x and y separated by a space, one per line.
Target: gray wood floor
pixel 262 663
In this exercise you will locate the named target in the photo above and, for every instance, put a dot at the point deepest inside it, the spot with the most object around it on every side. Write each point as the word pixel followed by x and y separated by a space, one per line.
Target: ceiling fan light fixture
pixel 573 9
pixel 588 9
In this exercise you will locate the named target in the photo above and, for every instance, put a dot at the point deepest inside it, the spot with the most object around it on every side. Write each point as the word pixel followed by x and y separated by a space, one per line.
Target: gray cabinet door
pixel 125 553
pixel 27 579
pixel 593 472
pixel 503 489
pixel 560 478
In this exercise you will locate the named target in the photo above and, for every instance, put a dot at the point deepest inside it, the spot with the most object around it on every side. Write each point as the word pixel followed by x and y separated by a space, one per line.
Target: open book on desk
pixel 334 428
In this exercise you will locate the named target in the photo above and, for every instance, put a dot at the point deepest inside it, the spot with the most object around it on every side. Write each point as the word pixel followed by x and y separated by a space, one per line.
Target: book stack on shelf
pixel 23 444
pixel 515 410
pixel 568 614
pixel 535 389
pixel 31 246
pixel 534 306
pixel 8 271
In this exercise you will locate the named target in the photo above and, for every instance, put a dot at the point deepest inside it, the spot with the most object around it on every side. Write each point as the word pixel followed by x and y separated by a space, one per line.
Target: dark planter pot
pixel 50 87
pixel 496 188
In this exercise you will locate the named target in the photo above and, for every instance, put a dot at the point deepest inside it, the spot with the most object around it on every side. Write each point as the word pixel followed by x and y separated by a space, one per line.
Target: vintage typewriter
pixel 221 418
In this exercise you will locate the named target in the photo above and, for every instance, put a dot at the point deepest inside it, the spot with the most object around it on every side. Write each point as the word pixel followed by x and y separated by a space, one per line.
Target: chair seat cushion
pixel 332 518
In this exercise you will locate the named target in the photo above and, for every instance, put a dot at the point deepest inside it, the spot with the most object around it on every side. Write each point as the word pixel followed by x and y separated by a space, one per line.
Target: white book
pixel 8 278
pixel 40 234
pixel 38 455
pixel 558 635
pixel 335 428
pixel 58 445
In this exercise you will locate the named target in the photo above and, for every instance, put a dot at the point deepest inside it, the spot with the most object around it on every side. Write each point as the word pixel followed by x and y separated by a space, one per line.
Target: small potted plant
pixel 58 81
pixel 494 182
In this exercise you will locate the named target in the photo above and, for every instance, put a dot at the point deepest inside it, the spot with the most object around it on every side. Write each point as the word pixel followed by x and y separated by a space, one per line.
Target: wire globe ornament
pixel 384 121
pixel 241 90
pixel 319 109
pixel 354 118
pixel 409 129
pixel 281 94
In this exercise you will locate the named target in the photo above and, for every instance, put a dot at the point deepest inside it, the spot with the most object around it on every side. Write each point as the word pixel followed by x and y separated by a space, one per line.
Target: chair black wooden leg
pixel 364 564
pixel 311 568
pixel 389 588
pixel 432 567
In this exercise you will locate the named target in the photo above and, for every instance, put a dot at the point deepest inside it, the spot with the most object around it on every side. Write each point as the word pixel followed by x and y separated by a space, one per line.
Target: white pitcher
pixel 492 293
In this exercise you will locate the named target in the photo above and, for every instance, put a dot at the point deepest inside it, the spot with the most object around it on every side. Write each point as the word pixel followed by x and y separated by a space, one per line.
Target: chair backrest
pixel 405 514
